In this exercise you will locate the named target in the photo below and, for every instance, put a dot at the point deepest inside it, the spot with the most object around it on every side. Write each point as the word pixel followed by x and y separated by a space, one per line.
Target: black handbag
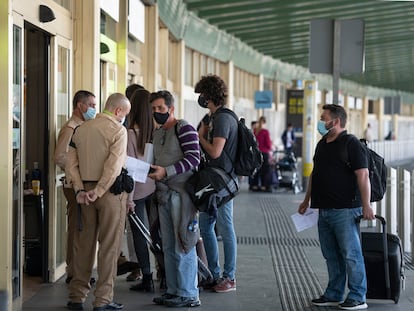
pixel 122 183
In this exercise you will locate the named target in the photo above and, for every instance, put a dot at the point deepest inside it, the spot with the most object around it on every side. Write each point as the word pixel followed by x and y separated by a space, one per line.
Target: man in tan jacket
pixel 83 108
pixel 96 156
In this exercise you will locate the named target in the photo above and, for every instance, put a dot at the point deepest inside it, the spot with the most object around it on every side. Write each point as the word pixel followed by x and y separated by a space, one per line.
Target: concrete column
pixel 379 111
pixel 164 46
pixel 178 75
pixel 86 46
pixel 122 47
pixel 395 118
pixel 364 116
pixel 150 51
pixel 310 118
pixel 229 77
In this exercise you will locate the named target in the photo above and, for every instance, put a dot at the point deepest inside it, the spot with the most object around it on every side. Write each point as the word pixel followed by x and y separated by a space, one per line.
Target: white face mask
pixel 122 121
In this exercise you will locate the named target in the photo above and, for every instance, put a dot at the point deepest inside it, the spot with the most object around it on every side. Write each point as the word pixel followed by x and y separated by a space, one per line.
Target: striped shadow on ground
pixel 295 277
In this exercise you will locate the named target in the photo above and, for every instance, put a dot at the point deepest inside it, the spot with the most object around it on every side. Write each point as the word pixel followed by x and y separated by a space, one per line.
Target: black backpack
pixel 377 171
pixel 249 158
pixel 210 188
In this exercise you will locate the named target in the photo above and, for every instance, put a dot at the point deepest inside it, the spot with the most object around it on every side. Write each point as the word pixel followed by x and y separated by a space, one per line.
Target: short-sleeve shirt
pixel 334 183
pixel 223 125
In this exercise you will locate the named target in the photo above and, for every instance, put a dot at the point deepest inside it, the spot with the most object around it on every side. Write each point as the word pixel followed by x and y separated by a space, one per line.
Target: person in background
pixel 253 126
pixel 288 138
pixel 390 135
pixel 176 154
pixel 341 192
pixel 83 109
pixel 96 156
pixel 139 133
pixel 263 178
pixel 218 140
pixel 368 133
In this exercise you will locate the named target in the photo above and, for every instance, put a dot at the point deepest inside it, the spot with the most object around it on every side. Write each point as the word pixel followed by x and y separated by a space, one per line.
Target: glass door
pixel 62 109
pixel 18 155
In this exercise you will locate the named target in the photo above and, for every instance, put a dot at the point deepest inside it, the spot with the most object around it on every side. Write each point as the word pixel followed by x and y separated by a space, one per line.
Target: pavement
pixel 278 268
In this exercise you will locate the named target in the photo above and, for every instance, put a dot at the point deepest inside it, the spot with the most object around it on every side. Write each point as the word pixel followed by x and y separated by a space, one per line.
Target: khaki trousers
pixel 103 222
pixel 72 212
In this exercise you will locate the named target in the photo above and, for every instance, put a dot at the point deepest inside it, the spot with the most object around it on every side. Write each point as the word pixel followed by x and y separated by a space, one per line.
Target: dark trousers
pixel 263 177
pixel 140 243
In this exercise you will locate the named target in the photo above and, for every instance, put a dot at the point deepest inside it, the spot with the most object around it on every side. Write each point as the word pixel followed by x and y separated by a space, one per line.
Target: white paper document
pixel 305 221
pixel 137 169
pixel 149 153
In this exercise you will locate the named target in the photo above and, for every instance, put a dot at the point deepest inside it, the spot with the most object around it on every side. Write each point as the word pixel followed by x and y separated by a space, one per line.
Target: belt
pixel 89 181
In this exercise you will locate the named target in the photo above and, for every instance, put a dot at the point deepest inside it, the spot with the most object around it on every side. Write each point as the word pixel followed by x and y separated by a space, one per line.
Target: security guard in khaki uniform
pixel 96 156
pixel 83 108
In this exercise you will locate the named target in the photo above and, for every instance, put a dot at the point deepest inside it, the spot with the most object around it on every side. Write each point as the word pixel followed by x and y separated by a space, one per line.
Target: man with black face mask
pixel 176 153
pixel 218 139
pixel 341 192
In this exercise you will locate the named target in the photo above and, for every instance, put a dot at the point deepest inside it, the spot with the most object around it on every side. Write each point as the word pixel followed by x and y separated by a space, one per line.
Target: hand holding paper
pixel 305 221
pixel 137 169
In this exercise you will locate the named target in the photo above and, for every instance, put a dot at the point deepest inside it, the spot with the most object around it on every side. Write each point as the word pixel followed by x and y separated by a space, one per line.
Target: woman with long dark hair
pixel 140 126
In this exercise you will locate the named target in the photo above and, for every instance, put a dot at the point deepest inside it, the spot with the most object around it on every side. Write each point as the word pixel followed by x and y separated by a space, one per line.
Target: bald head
pixel 116 100
pixel 119 105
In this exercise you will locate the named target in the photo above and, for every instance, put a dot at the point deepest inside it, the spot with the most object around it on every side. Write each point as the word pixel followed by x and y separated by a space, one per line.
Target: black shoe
pixel 146 285
pixel 109 306
pixel 163 298
pixel 178 302
pixel 351 304
pixel 74 305
pixel 68 279
pixel 324 302
pixel 126 267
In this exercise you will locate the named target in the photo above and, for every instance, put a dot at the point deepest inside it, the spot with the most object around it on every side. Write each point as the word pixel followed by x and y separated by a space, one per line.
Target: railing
pixel 397 205
pixel 393 150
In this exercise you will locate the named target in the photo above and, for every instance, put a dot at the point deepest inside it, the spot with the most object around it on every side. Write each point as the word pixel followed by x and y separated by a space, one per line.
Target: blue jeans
pixel 180 267
pixel 226 230
pixel 341 247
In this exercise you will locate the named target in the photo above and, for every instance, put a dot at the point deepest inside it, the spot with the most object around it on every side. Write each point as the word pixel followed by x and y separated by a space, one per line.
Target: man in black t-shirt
pixel 340 189
pixel 218 140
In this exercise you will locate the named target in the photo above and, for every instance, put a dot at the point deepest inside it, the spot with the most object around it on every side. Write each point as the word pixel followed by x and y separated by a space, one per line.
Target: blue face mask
pixel 89 114
pixel 322 128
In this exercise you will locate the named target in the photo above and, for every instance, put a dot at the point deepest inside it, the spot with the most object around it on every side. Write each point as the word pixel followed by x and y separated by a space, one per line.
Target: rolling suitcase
pixel 384 263
pixel 204 274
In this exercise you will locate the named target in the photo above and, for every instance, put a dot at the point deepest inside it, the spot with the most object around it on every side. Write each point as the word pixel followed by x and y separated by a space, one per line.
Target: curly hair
pixel 213 88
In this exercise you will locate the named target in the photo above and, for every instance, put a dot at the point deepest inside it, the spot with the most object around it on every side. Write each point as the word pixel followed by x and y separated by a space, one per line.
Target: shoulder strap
pixel 227 110
pixel 72 143
pixel 344 142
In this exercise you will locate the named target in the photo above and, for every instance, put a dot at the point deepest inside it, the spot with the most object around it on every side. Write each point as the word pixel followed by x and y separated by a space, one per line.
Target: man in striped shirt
pixel 176 153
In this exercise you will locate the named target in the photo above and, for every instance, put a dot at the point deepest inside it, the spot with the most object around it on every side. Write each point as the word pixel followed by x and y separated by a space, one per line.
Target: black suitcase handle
pixel 378 217
pixel 385 248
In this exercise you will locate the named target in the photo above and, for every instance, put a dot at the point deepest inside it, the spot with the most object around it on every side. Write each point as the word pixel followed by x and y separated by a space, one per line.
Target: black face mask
pixel 161 118
pixel 202 101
